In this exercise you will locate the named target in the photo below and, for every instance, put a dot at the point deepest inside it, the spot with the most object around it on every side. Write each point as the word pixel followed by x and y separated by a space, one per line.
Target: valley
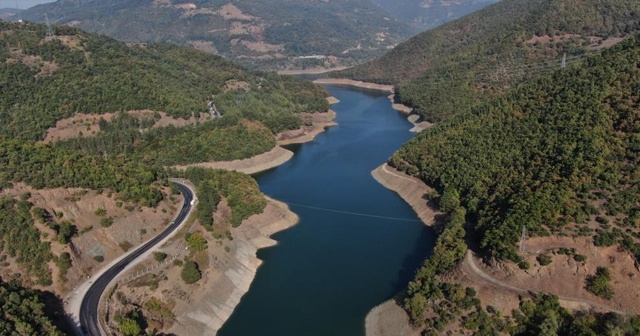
pixel 478 178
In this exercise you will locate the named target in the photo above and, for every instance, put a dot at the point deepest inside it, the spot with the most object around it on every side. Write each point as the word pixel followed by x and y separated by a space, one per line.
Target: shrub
pixel 579 258
pixel 190 272
pixel 196 242
pixel 604 238
pixel 598 284
pixel 106 221
pixel 544 259
pixel 159 256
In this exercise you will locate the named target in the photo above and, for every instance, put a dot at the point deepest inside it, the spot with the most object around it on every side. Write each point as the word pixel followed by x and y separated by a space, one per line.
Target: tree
pixel 416 305
pixel 190 272
pixel 450 200
pixel 65 231
pixel 159 256
pixel 196 242
pixel 130 327
pixel 598 284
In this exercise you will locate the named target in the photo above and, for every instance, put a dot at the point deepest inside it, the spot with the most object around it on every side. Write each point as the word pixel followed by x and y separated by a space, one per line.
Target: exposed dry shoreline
pixel 320 122
pixel 231 275
pixel 314 71
pixel 389 319
pixel 222 293
pixel 220 296
pixel 418 125
pixel 411 189
pixel 351 82
pixel 252 165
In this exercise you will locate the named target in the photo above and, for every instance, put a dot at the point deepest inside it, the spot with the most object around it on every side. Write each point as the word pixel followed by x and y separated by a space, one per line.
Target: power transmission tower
pixel 564 61
pixel 19 13
pixel 523 238
pixel 49 30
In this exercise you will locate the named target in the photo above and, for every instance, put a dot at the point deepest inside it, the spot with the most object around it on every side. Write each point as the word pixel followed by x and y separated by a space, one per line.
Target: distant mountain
pixel 8 13
pixel 450 68
pixel 427 14
pixel 275 33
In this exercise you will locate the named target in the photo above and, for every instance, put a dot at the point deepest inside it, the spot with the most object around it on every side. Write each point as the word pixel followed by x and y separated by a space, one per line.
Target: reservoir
pixel 357 244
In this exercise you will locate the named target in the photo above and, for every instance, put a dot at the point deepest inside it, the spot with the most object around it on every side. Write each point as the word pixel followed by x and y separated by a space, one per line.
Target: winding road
pixel 88 314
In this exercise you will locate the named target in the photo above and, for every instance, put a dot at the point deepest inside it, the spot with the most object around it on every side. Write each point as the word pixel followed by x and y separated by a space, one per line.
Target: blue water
pixel 328 271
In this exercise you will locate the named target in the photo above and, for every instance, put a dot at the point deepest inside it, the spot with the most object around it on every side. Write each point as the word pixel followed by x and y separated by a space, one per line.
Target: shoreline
pixel 308 133
pixel 351 82
pixel 389 318
pixel 418 126
pixel 206 315
pixel 315 71
pixel 410 189
pixel 278 155
pixel 222 294
pixel 253 165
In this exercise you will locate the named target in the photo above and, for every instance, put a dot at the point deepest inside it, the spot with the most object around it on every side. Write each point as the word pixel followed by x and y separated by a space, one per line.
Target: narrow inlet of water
pixel 357 244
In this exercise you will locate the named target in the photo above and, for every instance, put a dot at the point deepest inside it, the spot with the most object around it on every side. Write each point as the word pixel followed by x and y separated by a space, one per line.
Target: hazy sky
pixel 22 4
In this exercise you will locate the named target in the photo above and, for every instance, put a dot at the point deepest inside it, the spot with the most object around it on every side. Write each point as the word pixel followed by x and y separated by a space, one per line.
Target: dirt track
pixel 469 265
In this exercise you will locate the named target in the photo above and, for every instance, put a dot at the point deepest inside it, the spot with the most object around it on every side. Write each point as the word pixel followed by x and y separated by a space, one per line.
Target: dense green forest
pixel 446 70
pixel 241 191
pixel 45 81
pixel 545 155
pixel 553 155
pixel 23 312
pixel 288 28
pixel 225 139
pixel 47 166
pixel 20 239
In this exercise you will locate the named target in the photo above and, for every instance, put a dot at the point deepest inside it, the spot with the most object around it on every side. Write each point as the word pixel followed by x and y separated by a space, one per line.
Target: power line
pixel 527 69
pixel 454 67
pixel 352 213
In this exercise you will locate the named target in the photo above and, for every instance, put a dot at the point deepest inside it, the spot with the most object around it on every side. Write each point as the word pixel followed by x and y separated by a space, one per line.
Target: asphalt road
pixel 91 301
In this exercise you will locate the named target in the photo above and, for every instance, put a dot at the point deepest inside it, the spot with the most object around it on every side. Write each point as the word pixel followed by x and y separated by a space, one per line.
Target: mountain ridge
pixel 253 32
pixel 483 54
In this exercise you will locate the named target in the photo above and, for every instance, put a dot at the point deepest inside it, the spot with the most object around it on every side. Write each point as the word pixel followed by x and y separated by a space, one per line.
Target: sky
pixel 22 4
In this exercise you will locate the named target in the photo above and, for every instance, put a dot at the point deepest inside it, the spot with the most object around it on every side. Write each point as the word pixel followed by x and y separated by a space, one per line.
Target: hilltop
pixel 272 34
pixel 75 72
pixel 448 69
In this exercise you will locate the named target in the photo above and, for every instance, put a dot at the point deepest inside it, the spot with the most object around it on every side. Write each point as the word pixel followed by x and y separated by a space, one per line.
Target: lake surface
pixel 357 244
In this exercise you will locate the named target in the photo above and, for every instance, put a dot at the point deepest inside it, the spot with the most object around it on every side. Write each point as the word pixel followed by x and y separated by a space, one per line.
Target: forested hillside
pixel 48 80
pixel 128 90
pixel 267 33
pixel 427 14
pixel 210 141
pixel 445 70
pixel 23 312
pixel 559 155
